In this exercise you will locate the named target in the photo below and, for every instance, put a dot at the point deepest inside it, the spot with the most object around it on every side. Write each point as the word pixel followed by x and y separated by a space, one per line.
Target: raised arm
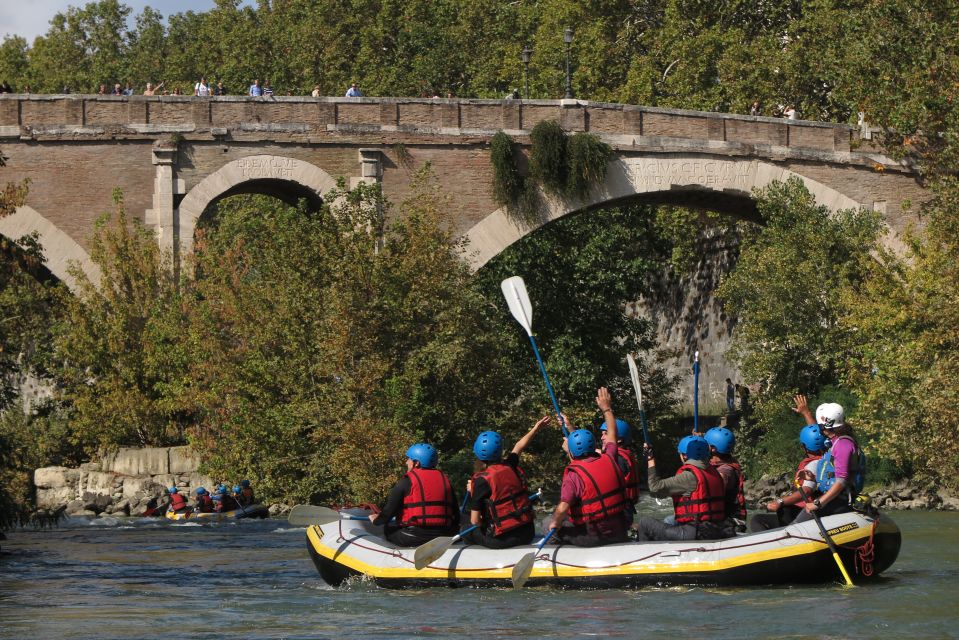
pixel 524 441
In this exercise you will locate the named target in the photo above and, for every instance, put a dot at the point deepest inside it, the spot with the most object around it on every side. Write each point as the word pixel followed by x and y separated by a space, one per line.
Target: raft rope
pixel 866 553
pixel 396 553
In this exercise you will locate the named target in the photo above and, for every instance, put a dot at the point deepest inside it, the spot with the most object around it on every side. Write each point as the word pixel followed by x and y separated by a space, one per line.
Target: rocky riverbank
pixel 901 496
pixel 121 483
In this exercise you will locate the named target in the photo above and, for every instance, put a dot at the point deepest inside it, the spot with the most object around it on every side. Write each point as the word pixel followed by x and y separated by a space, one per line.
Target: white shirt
pixel 201 89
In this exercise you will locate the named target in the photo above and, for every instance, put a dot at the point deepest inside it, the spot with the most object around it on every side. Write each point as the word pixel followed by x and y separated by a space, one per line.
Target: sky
pixel 31 19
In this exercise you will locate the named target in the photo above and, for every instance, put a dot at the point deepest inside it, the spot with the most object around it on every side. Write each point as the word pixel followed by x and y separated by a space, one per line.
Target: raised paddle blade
pixel 514 290
pixel 524 568
pixel 634 374
pixel 303 515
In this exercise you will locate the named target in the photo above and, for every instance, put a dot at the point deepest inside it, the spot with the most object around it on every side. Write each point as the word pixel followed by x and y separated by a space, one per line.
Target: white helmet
pixel 830 415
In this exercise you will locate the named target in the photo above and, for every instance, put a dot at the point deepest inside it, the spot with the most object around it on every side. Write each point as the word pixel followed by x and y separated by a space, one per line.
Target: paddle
pixel 634 374
pixel 466 501
pixel 523 568
pixel 304 515
pixel 696 393
pixel 514 290
pixel 432 550
pixel 828 539
pixel 429 552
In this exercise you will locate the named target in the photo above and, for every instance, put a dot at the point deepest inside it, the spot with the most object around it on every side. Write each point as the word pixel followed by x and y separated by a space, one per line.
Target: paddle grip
pixel 642 421
pixel 549 387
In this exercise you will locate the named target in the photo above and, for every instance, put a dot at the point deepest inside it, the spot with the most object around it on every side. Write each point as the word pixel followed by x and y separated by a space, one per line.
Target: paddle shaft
pixel 696 393
pixel 634 374
pixel 549 386
pixel 642 421
pixel 828 539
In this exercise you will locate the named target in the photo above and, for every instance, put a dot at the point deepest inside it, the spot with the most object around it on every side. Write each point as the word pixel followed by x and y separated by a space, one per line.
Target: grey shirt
pixel 681 484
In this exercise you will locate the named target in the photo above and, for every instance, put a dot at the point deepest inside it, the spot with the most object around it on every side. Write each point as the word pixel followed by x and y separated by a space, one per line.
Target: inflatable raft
pixel 790 555
pixel 252 511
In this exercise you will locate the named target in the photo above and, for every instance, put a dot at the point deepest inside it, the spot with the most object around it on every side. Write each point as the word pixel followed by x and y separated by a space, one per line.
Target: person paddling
pixel 178 502
pixel 698 496
pixel 204 503
pixel 722 441
pixel 422 502
pixel 785 509
pixel 627 464
pixel 592 506
pixel 842 469
pixel 246 493
pixel 499 493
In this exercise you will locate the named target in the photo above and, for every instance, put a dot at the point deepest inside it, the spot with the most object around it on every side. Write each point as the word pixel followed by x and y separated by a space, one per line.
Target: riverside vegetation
pixel 288 360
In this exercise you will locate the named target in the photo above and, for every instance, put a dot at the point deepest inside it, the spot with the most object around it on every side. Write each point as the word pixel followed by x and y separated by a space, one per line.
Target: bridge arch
pixel 692 179
pixel 60 251
pixel 278 176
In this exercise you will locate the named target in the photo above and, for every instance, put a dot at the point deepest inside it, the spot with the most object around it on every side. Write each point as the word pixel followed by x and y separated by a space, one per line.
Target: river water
pixel 135 578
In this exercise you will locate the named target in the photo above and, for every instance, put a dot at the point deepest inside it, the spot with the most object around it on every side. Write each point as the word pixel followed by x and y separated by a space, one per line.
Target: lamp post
pixel 525 55
pixel 568 39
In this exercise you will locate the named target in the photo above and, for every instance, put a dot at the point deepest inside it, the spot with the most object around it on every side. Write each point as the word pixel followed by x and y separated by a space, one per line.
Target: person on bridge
pixel 592 503
pixel 423 502
pixel 698 496
pixel 721 443
pixel 499 493
pixel 255 89
pixel 178 502
pixel 785 509
pixel 627 464
pixel 354 91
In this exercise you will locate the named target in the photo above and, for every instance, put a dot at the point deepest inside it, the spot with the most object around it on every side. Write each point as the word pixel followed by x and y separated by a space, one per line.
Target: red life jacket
pixel 429 502
pixel 509 506
pixel 177 502
pixel 204 504
pixel 603 489
pixel 632 478
pixel 812 493
pixel 707 502
pixel 734 497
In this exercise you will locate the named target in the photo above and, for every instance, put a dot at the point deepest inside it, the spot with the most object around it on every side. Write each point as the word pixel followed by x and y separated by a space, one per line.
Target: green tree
pixel 119 347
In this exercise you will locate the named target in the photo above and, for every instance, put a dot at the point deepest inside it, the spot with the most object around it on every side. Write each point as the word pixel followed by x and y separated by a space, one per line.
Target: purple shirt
pixel 843 449
pixel 572 488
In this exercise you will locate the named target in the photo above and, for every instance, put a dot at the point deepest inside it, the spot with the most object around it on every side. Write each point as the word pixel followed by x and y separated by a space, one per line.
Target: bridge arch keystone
pixel 249 169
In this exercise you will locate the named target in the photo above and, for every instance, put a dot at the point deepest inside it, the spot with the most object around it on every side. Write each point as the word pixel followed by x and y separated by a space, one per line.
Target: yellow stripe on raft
pixel 548 570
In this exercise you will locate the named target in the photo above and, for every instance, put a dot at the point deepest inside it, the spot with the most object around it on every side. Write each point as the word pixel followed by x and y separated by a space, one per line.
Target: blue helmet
pixel 488 446
pixel 722 439
pixel 200 491
pixel 221 488
pixel 244 483
pixel 171 490
pixel 580 442
pixel 812 438
pixel 423 453
pixel 622 430
pixel 694 447
pixel 236 488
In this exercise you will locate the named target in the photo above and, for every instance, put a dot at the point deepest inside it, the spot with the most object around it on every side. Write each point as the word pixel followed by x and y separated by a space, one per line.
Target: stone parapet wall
pixel 121 483
pixel 146 116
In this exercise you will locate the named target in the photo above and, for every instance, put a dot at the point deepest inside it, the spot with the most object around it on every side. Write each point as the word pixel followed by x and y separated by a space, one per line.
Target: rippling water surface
pixel 135 578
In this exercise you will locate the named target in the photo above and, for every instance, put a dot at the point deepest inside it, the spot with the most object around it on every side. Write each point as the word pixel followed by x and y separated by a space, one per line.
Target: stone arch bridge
pixel 173 156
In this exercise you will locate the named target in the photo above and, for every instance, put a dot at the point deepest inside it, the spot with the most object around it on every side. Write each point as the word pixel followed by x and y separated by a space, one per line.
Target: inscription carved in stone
pixel 267 167
pixel 715 174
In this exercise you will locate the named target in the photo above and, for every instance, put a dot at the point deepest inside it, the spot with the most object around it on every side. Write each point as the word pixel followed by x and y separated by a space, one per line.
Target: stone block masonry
pixel 122 483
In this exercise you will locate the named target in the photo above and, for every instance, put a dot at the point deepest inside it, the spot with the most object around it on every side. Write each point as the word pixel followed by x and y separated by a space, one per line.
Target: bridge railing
pixel 44 115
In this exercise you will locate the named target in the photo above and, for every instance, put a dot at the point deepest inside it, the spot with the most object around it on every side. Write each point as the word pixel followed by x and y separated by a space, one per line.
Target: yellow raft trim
pixel 548 570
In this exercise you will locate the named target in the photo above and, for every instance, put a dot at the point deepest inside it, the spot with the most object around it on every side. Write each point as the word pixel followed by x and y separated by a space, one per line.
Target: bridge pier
pixel 164 215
